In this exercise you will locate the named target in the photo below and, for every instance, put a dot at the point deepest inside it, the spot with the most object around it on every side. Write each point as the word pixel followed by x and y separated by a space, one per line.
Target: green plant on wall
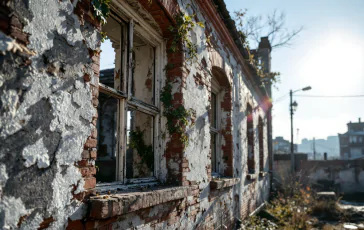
pixel 101 9
pixel 181 34
pixel 265 78
pixel 177 118
pixel 145 152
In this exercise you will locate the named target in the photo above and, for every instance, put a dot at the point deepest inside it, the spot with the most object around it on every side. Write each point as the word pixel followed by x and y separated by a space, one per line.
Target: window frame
pixel 217 90
pixel 131 24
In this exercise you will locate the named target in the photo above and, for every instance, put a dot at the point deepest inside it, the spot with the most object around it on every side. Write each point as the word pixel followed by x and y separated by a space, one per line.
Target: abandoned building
pixel 175 135
pixel 352 142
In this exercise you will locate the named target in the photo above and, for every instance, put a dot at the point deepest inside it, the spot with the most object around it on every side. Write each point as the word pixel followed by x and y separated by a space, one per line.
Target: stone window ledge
pixel 251 176
pixel 220 183
pixel 106 206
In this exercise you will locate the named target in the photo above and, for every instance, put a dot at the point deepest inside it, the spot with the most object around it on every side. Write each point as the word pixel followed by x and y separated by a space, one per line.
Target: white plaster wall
pixel 46 156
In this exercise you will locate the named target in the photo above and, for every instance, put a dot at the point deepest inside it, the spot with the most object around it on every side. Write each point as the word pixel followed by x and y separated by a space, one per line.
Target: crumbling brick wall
pixel 50 61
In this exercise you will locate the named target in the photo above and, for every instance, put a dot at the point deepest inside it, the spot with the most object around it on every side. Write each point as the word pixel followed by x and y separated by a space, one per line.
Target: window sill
pixel 134 185
pixel 107 206
pixel 220 183
pixel 251 177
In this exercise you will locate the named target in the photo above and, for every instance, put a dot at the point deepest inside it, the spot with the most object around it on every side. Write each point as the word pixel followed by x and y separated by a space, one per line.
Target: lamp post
pixel 293 107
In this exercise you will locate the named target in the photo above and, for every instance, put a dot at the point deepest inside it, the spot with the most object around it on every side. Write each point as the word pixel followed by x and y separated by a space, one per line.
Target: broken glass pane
pixel 112 55
pixel 107 138
pixel 139 151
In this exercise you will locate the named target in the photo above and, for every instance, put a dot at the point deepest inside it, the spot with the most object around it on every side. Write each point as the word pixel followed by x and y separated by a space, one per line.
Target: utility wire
pixel 280 98
pixel 318 96
pixel 328 96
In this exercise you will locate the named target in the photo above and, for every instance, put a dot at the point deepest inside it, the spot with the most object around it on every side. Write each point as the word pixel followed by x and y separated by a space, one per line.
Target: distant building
pixel 352 142
pixel 330 146
pixel 282 146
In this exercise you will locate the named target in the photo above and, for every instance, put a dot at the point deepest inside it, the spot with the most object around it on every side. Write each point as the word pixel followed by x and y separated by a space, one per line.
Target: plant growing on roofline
pixel 272 26
pixel 265 78
pixel 184 25
pixel 252 28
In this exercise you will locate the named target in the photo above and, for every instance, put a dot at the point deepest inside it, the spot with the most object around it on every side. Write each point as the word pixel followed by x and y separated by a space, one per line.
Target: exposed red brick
pixel 90 183
pixel 85 154
pixel 46 222
pixel 94 133
pixel 75 225
pixel 87 77
pixel 93 154
pixel 91 143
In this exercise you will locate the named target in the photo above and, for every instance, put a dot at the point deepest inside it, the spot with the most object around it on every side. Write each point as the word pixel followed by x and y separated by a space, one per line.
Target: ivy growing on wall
pixel 177 118
pixel 181 34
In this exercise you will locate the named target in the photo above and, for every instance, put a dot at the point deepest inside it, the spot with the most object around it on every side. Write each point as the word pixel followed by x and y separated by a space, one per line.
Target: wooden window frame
pixel 217 90
pixel 134 24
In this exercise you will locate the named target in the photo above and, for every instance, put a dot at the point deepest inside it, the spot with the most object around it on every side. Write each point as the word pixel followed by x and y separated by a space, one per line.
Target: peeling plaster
pixel 36 153
pixel 63 206
pixel 11 209
pixel 48 106
pixel 3 175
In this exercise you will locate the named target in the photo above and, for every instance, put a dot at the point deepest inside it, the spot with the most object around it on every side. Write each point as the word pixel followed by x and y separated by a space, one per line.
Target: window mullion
pixel 122 141
pixel 125 58
pixel 129 93
pixel 130 57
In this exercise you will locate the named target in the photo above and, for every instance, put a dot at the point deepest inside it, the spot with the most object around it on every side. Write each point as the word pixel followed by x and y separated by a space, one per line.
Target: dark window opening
pixel 261 145
pixel 250 139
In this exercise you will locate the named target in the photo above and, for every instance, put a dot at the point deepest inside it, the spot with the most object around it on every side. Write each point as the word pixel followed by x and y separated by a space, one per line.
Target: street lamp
pixel 293 107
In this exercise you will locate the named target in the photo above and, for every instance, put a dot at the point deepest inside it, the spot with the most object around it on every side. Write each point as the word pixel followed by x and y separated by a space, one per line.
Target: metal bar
pixel 292 146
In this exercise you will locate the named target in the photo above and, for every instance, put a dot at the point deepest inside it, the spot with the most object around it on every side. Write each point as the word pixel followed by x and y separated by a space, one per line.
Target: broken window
pixel 139 150
pixel 215 147
pixel 128 108
pixel 250 140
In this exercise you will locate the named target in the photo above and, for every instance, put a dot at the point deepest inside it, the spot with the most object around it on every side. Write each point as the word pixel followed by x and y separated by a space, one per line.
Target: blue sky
pixel 328 55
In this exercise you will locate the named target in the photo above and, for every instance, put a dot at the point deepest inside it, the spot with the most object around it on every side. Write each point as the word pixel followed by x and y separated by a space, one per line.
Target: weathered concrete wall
pixel 282 165
pixel 281 170
pixel 46 111
pixel 48 117
pixel 345 176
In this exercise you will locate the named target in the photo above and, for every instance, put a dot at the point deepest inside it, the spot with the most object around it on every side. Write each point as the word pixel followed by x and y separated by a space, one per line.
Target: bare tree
pixel 273 26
